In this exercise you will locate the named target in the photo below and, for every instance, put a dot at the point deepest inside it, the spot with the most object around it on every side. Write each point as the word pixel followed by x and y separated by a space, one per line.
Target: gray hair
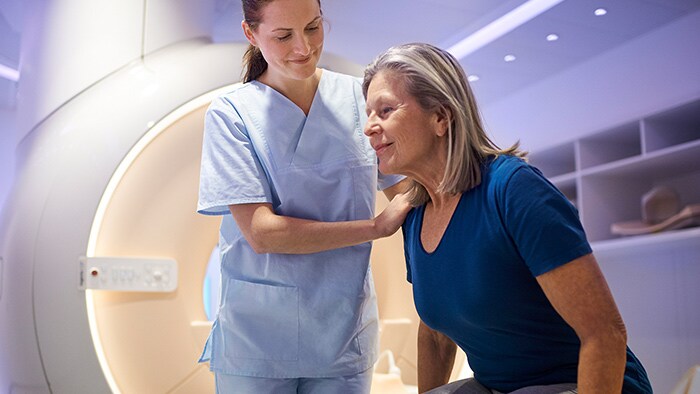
pixel 438 83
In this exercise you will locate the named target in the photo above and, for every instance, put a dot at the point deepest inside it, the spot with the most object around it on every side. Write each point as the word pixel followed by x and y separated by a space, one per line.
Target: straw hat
pixel 661 211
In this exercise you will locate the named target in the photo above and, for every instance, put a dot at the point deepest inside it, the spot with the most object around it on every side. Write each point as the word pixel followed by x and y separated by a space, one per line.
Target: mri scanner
pixel 102 256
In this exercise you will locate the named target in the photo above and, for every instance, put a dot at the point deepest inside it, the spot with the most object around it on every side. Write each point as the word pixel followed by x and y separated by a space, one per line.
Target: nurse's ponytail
pixel 254 64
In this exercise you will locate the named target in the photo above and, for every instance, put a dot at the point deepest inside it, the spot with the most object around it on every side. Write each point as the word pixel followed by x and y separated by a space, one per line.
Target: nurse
pixel 284 153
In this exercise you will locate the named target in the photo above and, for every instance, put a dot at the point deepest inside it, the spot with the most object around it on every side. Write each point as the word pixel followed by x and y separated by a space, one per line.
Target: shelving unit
pixel 655 278
pixel 606 174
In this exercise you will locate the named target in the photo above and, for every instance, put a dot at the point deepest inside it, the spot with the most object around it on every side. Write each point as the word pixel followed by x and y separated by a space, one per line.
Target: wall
pixel 11 19
pixel 7 151
pixel 652 72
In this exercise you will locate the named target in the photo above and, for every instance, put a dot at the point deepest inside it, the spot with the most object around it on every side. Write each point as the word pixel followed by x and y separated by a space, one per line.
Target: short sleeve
pixel 543 224
pixel 230 171
pixel 386 181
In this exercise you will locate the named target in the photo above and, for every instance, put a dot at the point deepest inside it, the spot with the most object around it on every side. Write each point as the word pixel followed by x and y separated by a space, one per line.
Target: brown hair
pixel 438 82
pixel 254 64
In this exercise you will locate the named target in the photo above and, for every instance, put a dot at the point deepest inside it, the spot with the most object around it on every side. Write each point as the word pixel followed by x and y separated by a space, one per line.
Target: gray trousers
pixel 471 386
pixel 232 384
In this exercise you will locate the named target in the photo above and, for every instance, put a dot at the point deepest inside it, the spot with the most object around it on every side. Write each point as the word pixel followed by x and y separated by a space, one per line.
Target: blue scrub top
pixel 283 315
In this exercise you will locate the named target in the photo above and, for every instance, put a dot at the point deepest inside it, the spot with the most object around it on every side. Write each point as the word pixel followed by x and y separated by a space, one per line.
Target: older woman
pixel 497 256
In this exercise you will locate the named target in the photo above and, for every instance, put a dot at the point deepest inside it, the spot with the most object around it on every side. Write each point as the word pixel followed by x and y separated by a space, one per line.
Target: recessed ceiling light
pixel 509 58
pixel 600 12
pixel 500 27
pixel 552 37
pixel 473 78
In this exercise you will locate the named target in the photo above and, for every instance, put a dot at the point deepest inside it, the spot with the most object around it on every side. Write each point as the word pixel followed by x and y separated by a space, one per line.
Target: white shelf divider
pixel 606 174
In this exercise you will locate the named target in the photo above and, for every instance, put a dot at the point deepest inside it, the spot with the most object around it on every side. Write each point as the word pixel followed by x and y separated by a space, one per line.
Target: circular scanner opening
pixel 151 341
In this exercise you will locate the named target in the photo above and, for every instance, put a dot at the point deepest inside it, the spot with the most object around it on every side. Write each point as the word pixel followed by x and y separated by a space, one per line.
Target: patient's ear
pixel 443 118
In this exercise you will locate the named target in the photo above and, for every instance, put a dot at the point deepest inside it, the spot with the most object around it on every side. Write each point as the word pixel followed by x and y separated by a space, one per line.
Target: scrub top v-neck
pixel 284 315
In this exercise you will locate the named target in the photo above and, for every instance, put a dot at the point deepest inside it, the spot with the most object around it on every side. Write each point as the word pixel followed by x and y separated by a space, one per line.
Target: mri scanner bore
pixel 127 324
pixel 106 184
pixel 136 204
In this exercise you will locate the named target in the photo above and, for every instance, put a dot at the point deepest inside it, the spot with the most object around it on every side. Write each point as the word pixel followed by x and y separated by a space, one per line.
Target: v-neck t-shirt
pixel 478 286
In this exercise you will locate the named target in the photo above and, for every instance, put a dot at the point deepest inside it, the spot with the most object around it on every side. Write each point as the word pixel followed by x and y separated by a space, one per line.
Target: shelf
pixel 555 161
pixel 565 179
pixel 613 192
pixel 612 145
pixel 641 245
pixel 606 174
pixel 674 160
pixel 672 127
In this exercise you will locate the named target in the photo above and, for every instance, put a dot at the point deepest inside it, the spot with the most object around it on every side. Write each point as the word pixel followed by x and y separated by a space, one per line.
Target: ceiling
pixel 360 29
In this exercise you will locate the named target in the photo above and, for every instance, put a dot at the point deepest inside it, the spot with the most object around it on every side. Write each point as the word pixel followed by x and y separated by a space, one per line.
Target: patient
pixel 497 256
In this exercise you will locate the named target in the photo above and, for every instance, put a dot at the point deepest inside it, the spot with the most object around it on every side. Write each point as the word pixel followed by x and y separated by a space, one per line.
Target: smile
pixel 301 61
pixel 380 148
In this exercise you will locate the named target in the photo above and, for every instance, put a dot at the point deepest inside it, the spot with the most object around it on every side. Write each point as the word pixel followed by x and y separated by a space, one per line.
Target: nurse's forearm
pixel 268 232
pixel 282 234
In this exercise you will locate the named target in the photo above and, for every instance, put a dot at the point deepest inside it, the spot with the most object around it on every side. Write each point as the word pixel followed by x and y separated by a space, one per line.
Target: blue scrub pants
pixel 352 384
pixel 471 386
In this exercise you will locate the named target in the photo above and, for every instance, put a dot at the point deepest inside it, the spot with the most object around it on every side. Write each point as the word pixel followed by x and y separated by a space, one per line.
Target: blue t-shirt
pixel 478 287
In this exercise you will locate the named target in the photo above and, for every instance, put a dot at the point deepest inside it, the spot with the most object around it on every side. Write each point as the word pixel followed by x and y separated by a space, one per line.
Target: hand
pixel 391 219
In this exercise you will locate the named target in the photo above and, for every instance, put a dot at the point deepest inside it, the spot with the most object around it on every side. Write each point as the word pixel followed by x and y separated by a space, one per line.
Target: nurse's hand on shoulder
pixel 391 219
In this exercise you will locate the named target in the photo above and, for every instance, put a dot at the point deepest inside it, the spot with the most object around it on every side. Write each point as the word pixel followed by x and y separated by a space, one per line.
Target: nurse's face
pixel 290 37
pixel 406 137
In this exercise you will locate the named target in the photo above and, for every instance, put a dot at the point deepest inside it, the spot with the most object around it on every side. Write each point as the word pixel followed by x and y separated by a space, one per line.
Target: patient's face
pixel 402 133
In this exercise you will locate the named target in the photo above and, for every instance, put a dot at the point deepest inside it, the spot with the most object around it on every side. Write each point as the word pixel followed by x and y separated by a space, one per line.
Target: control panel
pixel 128 274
